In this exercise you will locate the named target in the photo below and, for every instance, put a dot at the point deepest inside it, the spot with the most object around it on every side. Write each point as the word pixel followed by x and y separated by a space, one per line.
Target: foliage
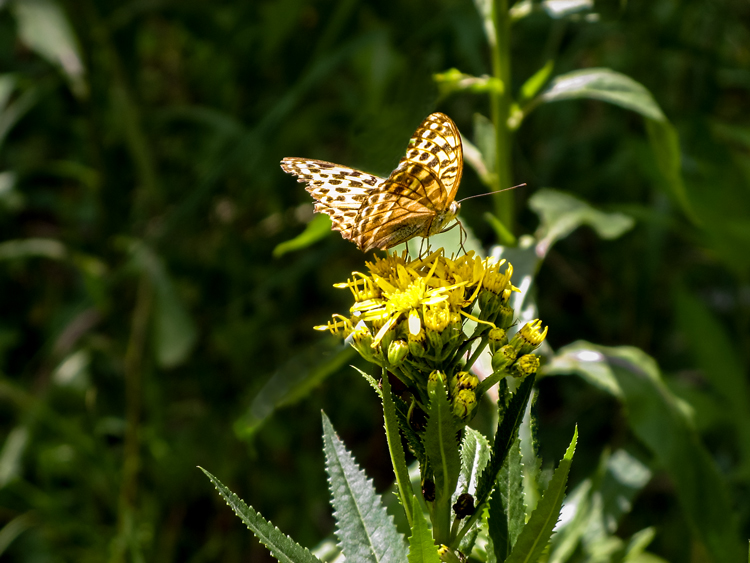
pixel 144 311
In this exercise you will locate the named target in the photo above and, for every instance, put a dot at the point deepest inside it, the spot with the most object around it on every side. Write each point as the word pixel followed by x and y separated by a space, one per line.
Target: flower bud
pixel 397 351
pixel 464 404
pixel 529 337
pixel 525 366
pixel 437 318
pixel 505 314
pixel 463 380
pixel 361 340
pixel 504 357
pixel 497 338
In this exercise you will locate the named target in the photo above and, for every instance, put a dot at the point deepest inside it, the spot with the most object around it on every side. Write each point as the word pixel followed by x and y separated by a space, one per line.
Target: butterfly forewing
pixel 338 191
pixel 421 188
pixel 380 213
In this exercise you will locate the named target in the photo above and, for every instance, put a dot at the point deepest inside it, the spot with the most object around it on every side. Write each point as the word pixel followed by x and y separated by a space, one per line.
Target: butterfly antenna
pixel 490 193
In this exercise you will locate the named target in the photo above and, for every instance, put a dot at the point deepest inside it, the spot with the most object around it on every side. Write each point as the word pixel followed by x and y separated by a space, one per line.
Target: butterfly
pixel 417 199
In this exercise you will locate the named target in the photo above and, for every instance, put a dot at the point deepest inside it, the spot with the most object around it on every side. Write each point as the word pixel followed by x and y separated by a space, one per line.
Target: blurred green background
pixel 147 326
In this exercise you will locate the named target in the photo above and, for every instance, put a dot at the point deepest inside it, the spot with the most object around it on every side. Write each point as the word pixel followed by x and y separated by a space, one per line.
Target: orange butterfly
pixel 417 199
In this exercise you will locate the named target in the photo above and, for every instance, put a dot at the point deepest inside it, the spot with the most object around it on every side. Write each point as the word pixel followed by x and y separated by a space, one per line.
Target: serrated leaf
pixel 441 447
pixel 658 420
pixel 414 441
pixel 536 533
pixel 396 449
pixel 475 454
pixel 422 548
pixel 507 431
pixel 561 213
pixel 281 546
pixel 507 514
pixel 365 530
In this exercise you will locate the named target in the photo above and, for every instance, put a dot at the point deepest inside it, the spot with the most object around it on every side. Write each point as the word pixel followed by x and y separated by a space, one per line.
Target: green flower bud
pixel 397 351
pixel 361 340
pixel 505 314
pixel 525 366
pixel 463 380
pixel 497 338
pixel 464 404
pixel 504 357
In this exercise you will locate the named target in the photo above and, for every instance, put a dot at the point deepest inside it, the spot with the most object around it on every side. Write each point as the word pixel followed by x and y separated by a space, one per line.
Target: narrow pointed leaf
pixel 507 513
pixel 281 546
pixel 396 449
pixel 365 530
pixel 507 431
pixel 422 548
pixel 535 535
pixel 442 451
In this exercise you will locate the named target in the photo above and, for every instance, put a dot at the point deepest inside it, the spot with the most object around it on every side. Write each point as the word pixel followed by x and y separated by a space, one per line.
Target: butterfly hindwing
pixel 338 191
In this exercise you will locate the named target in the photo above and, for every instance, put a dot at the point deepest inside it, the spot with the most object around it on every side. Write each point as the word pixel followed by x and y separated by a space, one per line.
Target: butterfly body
pixel 417 199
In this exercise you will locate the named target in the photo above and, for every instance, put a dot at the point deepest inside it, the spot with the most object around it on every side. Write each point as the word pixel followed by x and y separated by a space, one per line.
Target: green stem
pixel 133 368
pixel 501 104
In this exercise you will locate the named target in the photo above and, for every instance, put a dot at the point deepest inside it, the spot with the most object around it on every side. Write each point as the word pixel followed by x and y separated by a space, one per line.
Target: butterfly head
pixel 443 218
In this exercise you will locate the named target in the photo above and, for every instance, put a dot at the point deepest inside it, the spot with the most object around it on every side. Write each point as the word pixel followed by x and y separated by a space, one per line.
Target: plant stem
pixel 501 103
pixel 133 393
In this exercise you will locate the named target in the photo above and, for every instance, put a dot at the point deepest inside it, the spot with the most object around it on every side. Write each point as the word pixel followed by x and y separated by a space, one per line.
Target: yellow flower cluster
pixel 409 317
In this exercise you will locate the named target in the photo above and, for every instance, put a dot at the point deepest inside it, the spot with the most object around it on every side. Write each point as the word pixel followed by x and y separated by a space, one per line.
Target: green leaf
pixel 714 353
pixel 11 112
pixel 317 229
pixel 174 331
pixel 441 446
pixel 530 458
pixel 293 381
pixel 396 449
pixel 507 432
pixel 475 453
pixel 507 514
pixel 560 214
pixel 537 80
pixel 44 28
pixel 605 85
pixel 563 8
pixel 599 504
pixel 11 530
pixel 658 420
pixel 422 548
pixel 281 546
pixel 666 147
pixel 365 530
pixel 536 533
